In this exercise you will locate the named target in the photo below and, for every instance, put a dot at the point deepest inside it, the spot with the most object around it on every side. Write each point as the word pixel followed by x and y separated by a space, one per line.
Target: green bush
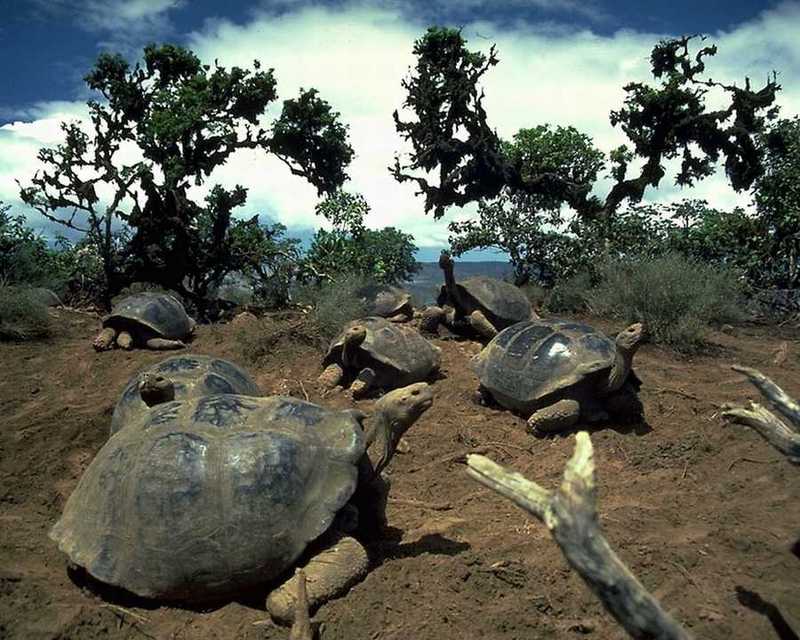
pixel 333 304
pixel 677 297
pixel 570 295
pixel 22 315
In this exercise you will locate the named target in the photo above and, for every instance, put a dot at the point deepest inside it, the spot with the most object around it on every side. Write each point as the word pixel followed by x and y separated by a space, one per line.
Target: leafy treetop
pixel 452 138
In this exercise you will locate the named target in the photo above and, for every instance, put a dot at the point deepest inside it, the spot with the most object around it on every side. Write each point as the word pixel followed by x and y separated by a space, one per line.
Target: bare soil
pixel 705 514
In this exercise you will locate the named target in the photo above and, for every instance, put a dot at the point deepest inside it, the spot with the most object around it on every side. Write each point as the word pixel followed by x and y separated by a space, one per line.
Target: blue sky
pixel 562 61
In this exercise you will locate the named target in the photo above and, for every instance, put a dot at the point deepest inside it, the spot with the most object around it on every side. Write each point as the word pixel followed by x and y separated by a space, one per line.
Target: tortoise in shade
pixel 199 499
pixel 148 319
pixel 388 301
pixel 480 305
pixel 187 375
pixel 557 372
pixel 376 353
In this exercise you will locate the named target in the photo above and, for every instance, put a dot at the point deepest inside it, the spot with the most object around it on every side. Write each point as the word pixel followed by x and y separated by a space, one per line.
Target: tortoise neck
pixel 380 442
pixel 619 370
pixel 450 286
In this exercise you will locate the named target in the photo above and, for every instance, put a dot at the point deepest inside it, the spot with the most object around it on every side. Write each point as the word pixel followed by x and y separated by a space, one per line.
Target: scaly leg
pixel 329 574
pixel 556 417
pixel 104 339
pixel 481 325
pixel 331 376
pixel 363 383
pixel 162 344
pixel 124 340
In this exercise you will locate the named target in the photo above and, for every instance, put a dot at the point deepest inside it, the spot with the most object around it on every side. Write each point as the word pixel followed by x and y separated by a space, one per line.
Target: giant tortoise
pixel 557 372
pixel 378 353
pixel 387 301
pixel 199 499
pixel 187 376
pixel 481 304
pixel 148 319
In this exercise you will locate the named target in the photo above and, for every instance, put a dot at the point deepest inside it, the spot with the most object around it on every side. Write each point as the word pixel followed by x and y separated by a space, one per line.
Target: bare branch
pixel 784 437
pixel 570 514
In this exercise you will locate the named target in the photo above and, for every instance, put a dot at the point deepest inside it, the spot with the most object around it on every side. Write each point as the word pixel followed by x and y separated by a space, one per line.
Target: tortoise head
pixel 445 261
pixel 355 335
pixel 631 338
pixel 394 414
pixel 155 389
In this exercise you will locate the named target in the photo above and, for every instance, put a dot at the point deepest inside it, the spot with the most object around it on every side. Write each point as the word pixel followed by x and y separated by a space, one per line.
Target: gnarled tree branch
pixel 570 513
pixel 784 437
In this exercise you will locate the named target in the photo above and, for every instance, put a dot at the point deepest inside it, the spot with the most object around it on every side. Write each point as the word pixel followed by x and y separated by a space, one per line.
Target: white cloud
pixel 357 56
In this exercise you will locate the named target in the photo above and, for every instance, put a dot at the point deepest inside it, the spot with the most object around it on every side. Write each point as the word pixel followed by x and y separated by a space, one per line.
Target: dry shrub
pixel 676 296
pixel 22 315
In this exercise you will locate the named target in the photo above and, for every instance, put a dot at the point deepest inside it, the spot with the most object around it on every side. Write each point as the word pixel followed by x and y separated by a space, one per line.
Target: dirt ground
pixel 705 514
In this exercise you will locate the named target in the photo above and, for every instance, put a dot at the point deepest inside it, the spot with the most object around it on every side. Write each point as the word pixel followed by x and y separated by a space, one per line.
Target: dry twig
pixel 570 514
pixel 783 435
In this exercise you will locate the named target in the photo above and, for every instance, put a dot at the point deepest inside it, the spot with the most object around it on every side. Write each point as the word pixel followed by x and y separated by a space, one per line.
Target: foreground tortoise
pixel 484 305
pixel 148 319
pixel 202 498
pixel 558 372
pixel 186 376
pixel 378 353
pixel 387 301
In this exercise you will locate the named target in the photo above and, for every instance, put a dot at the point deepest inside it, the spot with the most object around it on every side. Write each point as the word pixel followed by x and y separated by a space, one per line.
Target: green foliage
pixel 777 195
pixel 384 255
pixel 25 257
pixel 187 118
pixel 333 303
pixel 451 138
pixel 569 295
pixel 22 315
pixel 677 297
pixel 266 258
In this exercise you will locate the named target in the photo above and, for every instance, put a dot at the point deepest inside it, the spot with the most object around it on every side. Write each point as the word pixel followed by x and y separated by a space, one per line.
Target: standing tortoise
pixel 484 305
pixel 148 319
pixel 558 372
pixel 373 352
pixel 202 498
pixel 188 376
pixel 387 301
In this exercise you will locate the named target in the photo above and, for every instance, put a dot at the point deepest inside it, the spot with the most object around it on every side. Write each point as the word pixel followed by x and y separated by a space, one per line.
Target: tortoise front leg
pixel 331 376
pixel 480 324
pixel 363 383
pixel 555 417
pixel 162 344
pixel 329 574
pixel 104 339
pixel 124 340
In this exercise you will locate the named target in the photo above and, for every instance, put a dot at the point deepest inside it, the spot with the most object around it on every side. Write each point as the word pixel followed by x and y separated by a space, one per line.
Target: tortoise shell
pixel 159 312
pixel 531 360
pixel 385 300
pixel 212 494
pixel 193 375
pixel 502 302
pixel 399 351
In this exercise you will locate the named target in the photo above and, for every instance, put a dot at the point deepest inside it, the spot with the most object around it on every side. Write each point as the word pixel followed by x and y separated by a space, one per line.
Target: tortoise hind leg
pixel 559 416
pixel 162 344
pixel 104 339
pixel 329 574
pixel 480 324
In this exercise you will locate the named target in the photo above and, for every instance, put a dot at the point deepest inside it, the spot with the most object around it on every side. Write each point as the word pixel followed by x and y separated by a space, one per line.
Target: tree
pixel 529 227
pixel 777 197
pixel 384 255
pixel 186 118
pixel 452 138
